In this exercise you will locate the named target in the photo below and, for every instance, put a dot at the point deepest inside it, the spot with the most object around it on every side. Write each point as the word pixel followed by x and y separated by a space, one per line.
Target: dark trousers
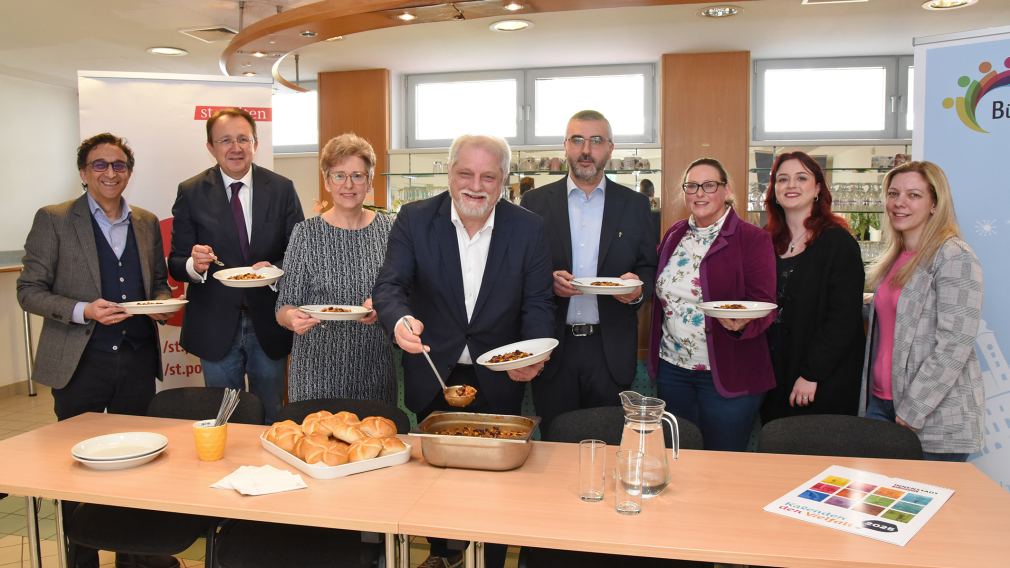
pixel 494 554
pixel 120 382
pixel 579 379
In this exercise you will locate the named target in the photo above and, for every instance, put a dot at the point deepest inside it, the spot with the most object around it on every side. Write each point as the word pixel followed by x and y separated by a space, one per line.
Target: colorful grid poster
pixel 863 503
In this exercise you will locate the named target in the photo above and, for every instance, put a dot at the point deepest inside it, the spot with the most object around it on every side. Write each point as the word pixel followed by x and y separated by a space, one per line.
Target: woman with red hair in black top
pixel 817 339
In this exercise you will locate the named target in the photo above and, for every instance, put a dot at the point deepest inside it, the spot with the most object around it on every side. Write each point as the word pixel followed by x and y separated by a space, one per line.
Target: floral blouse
pixel 679 290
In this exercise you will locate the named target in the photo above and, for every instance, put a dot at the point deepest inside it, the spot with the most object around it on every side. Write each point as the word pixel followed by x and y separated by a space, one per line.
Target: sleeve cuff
pixel 78 315
pixel 193 274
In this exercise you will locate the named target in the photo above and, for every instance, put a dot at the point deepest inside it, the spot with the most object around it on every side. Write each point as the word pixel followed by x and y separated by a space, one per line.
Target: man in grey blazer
pixel 238 214
pixel 82 258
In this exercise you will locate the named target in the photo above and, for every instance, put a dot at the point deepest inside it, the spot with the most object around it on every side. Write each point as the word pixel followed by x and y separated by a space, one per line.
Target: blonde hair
pixel 348 145
pixel 940 226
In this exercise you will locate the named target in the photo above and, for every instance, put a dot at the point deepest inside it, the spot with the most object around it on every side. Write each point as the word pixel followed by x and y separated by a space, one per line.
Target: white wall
pixel 38 153
pixel 303 170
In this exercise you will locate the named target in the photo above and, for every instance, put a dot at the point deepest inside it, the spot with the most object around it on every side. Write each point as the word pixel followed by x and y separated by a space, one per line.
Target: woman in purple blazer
pixel 712 372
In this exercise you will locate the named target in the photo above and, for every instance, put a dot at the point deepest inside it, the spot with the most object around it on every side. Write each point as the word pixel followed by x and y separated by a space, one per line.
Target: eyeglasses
pixel 578 140
pixel 691 188
pixel 228 140
pixel 357 178
pixel 119 166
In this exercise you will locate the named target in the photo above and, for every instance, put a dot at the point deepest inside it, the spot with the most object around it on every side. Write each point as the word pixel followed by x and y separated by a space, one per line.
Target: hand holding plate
pixel 563 284
pixel 634 294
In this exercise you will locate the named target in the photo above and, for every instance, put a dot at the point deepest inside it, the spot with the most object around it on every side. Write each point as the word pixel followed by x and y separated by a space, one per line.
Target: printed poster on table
pixel 859 502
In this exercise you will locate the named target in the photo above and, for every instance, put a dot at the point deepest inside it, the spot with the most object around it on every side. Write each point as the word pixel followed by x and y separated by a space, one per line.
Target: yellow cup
pixel 210 440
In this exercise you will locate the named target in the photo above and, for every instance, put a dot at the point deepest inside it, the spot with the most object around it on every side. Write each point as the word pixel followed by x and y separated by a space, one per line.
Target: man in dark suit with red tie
pixel 238 214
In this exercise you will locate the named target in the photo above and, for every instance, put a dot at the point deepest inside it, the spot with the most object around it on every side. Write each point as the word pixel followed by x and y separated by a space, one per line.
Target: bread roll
pixel 287 438
pixel 392 445
pixel 335 454
pixel 318 415
pixel 347 433
pixel 311 448
pixel 347 417
pixel 317 426
pixel 271 434
pixel 378 427
pixel 364 449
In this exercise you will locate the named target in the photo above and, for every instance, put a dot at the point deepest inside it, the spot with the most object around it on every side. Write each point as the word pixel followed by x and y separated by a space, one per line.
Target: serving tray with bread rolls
pixel 327 445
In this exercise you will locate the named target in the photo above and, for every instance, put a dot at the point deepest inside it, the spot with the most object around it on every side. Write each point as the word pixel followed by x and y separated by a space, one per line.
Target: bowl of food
pixel 335 312
pixel 605 286
pixel 248 277
pixel 165 306
pixel 518 355
pixel 471 440
pixel 737 309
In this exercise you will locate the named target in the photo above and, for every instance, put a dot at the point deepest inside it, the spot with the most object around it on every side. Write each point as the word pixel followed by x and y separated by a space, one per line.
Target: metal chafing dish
pixel 468 452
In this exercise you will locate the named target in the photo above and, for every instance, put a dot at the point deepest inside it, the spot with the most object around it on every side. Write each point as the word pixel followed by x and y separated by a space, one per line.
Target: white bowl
pixel 110 465
pixel 316 311
pixel 585 285
pixel 153 306
pixel 271 274
pixel 124 445
pixel 753 310
pixel 540 349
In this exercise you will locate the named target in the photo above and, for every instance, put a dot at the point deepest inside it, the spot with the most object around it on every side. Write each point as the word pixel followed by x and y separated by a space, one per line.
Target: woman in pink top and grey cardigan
pixel 921 363
pixel 712 372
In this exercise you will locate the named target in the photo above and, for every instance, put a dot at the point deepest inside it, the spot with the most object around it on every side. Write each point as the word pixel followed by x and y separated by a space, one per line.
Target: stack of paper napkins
pixel 261 480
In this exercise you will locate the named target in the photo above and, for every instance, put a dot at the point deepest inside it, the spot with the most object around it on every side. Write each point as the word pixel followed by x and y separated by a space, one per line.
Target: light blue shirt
pixel 115 232
pixel 585 217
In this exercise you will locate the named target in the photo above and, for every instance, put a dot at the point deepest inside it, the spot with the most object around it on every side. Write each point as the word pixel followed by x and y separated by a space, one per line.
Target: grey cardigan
pixel 935 377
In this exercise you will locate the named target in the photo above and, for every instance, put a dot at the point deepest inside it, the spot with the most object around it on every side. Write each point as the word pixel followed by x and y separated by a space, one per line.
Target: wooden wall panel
pixel 705 112
pixel 357 101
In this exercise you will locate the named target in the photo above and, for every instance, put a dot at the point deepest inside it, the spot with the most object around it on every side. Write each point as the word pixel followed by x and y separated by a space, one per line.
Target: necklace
pixel 792 245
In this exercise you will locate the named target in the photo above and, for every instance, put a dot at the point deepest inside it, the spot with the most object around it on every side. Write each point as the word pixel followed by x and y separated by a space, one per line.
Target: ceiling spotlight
pixel 407 16
pixel 511 25
pixel 513 6
pixel 336 38
pixel 940 5
pixel 170 51
pixel 719 11
pixel 258 54
pixel 249 74
pixel 308 33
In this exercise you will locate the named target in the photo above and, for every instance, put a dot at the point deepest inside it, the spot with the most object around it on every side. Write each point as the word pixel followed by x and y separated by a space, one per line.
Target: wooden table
pixel 712 511
pixel 38 464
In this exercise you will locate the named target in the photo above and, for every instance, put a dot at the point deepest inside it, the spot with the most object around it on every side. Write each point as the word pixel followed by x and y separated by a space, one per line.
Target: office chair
pixel 839 435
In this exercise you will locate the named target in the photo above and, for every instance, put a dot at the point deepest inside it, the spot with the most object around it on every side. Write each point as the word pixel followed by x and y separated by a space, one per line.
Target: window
pixel 530 106
pixel 295 121
pixel 835 98
pixel 906 86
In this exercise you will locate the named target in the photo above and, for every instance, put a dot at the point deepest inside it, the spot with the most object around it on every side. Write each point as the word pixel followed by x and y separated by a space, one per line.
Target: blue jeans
pixel 725 423
pixel 880 409
pixel 246 356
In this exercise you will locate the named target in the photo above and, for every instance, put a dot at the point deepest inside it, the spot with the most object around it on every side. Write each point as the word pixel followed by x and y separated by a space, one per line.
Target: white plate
pixel 754 309
pixel 585 285
pixel 540 349
pixel 121 446
pixel 316 311
pixel 153 306
pixel 322 471
pixel 271 274
pixel 109 465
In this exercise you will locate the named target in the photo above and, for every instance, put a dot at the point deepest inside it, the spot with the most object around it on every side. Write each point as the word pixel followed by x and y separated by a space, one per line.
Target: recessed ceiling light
pixel 513 6
pixel 308 33
pixel 511 25
pixel 249 74
pixel 407 16
pixel 940 5
pixel 721 11
pixel 258 54
pixel 172 51
pixel 336 38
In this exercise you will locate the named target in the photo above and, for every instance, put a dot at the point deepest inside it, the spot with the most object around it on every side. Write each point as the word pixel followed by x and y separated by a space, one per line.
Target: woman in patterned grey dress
pixel 334 259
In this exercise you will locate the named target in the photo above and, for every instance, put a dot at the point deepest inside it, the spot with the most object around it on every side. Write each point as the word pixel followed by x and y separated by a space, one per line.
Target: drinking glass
pixel 592 469
pixel 628 477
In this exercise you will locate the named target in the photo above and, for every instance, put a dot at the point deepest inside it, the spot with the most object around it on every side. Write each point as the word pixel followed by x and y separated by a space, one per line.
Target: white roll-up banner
pixel 163 119
pixel 962 123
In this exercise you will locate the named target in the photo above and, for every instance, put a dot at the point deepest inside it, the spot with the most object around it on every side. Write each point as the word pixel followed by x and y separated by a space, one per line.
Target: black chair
pixel 839 435
pixel 607 423
pixel 250 544
pixel 603 423
pixel 156 533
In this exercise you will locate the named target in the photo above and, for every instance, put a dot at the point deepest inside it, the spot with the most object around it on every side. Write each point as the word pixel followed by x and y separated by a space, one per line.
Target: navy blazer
pixel 627 244
pixel 422 277
pixel 203 216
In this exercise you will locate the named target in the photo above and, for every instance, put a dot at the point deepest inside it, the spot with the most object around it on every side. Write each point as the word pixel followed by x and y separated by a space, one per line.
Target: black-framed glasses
pixel 578 140
pixel 357 178
pixel 100 165
pixel 228 141
pixel 691 188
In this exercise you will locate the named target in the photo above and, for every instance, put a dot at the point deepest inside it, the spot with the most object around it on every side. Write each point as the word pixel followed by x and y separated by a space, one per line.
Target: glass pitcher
pixel 643 431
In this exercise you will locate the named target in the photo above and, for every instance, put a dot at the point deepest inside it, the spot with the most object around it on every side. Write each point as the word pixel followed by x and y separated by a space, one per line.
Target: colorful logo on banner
pixel 975 89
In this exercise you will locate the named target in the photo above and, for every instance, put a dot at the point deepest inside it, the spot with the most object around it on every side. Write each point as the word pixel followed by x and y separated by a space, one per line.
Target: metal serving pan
pixel 470 452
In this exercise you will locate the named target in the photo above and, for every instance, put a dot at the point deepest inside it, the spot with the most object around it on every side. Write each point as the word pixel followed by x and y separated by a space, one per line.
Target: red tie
pixel 239 216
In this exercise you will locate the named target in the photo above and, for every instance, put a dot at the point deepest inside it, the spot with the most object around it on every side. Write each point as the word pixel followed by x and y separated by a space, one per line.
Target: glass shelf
pixel 520 173
pixel 856 170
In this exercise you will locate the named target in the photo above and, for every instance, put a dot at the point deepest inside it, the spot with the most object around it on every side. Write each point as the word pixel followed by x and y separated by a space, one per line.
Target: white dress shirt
pixel 472 259
pixel 245 198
